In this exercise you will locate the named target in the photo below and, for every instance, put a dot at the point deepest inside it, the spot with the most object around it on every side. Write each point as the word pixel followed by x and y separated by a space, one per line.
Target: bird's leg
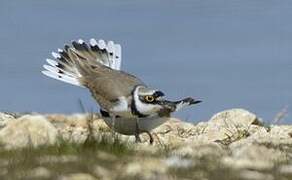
pixel 113 117
pixel 150 136
pixel 137 131
pixel 113 121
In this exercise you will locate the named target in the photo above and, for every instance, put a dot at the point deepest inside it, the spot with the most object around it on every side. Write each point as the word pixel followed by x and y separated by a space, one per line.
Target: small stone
pixel 40 172
pixel 254 175
pixel 178 162
pixel 106 156
pixel 103 173
pixel 3 171
pixel 286 169
pixel 78 176
pixel 149 168
pixel 172 132
pixel 199 150
pixel 241 163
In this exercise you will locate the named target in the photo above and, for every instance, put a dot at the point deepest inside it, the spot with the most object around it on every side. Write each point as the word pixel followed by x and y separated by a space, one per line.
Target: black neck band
pixel 134 109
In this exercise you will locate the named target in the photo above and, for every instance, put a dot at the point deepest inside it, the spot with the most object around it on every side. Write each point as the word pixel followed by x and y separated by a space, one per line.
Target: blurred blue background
pixel 228 53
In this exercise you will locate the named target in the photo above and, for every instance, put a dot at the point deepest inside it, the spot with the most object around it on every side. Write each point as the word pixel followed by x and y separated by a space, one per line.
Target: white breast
pixel 127 126
pixel 122 108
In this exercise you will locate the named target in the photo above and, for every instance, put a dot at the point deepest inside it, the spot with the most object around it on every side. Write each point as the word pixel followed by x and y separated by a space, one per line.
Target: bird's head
pixel 147 102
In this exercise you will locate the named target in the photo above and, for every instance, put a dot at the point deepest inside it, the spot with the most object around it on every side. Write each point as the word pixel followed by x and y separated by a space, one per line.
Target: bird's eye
pixel 149 98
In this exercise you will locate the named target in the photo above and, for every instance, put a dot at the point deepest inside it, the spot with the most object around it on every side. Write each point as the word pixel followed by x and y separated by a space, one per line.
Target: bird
pixel 127 105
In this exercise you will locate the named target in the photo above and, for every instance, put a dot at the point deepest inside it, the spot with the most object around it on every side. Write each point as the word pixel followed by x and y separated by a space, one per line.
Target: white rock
pixel 39 172
pixel 246 164
pixel 149 168
pixel 4 119
pixel 28 130
pixel 231 124
pixel 103 173
pixel 178 162
pixel 235 117
pixel 286 169
pixel 199 150
pixel 173 132
pixel 78 176
pixel 254 175
pixel 259 151
pixel 74 128
pixel 283 131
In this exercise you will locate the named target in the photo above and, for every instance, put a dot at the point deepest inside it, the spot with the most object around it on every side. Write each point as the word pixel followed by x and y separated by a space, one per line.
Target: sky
pixel 229 53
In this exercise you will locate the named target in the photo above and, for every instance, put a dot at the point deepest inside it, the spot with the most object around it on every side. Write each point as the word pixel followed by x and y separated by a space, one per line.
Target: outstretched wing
pixel 64 66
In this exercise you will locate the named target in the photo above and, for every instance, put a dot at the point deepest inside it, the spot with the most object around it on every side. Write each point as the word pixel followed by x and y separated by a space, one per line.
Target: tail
pixel 66 64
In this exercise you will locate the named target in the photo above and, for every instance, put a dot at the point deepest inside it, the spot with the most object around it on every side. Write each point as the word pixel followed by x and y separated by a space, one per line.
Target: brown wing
pixel 107 85
pixel 95 66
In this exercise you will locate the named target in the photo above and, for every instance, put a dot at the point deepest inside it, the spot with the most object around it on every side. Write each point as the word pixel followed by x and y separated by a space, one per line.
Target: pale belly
pixel 127 126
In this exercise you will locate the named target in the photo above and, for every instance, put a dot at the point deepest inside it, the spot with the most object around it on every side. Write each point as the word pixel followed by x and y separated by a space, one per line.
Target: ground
pixel 233 144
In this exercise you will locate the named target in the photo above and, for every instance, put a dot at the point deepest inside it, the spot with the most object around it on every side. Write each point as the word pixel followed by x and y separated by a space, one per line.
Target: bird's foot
pixel 150 136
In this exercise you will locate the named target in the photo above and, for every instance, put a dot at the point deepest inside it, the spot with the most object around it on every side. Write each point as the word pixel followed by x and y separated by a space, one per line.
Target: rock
pixel 233 144
pixel 235 117
pixel 39 172
pixel 282 132
pixel 4 119
pixel 230 125
pixel 74 128
pixel 28 131
pixel 276 138
pixel 286 169
pixel 149 168
pixel 78 176
pixel 260 151
pixel 173 132
pixel 178 162
pixel 254 157
pixel 103 173
pixel 180 128
pixel 199 150
pixel 254 175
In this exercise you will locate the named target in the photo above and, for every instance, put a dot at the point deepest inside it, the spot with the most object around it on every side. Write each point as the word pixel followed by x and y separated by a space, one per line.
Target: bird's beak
pixel 169 105
pixel 192 101
pixel 177 105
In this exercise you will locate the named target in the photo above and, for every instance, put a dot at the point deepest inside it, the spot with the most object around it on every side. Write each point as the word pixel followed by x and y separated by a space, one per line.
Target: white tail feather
pixel 118 57
pixel 93 42
pixel 62 77
pixel 57 70
pixel 80 41
pixel 101 44
pixel 56 55
pixel 64 68
pixel 52 62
